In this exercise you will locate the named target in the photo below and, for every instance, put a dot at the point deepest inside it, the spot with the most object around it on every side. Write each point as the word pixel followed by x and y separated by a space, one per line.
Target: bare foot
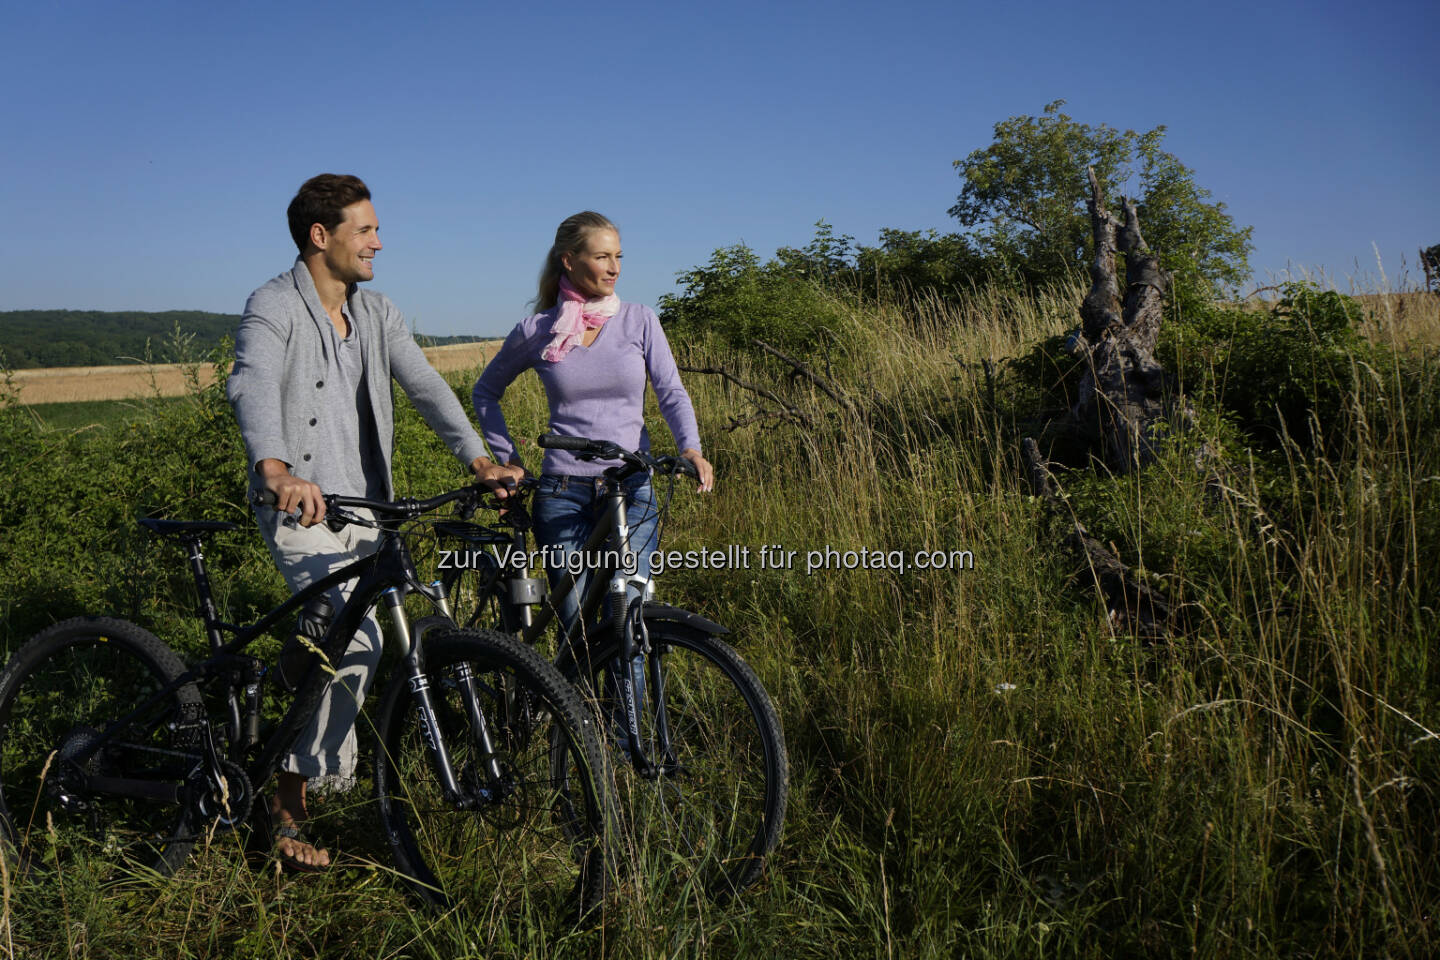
pixel 290 813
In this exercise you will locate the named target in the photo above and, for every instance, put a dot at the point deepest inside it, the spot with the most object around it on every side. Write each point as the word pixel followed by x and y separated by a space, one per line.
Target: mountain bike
pixel 487 766
pixel 702 776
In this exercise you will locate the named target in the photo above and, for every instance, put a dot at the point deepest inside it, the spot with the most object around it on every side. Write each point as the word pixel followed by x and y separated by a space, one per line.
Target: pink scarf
pixel 576 315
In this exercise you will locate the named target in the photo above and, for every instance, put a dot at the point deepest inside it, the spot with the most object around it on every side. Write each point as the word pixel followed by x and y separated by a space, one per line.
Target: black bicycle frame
pixel 626 617
pixel 389 573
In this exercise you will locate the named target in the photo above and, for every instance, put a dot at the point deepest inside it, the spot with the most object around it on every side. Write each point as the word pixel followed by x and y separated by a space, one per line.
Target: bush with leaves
pixel 1288 369
pixel 736 299
pixel 920 264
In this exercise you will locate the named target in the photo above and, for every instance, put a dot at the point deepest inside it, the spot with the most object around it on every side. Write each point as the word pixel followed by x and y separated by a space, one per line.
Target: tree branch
pixel 786 411
pixel 804 370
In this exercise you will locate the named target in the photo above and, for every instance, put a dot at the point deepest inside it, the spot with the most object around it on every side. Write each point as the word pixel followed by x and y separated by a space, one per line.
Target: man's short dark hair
pixel 322 199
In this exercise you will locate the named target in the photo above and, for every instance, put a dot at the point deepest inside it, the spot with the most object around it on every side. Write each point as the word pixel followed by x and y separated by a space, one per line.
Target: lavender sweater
pixel 596 391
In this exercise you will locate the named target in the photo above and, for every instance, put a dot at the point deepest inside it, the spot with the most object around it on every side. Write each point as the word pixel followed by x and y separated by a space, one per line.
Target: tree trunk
pixel 1123 389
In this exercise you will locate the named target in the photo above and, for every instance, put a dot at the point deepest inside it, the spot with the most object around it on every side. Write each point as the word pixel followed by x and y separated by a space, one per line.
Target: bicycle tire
pixel 533 846
pixel 708 821
pixel 57 693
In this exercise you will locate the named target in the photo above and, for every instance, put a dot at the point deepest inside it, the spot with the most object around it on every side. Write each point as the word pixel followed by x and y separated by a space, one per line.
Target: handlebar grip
pixel 264 498
pixel 554 441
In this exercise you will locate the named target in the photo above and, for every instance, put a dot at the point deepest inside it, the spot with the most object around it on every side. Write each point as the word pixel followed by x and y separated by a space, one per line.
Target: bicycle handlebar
pixel 409 508
pixel 406 508
pixel 587 449
pixel 554 441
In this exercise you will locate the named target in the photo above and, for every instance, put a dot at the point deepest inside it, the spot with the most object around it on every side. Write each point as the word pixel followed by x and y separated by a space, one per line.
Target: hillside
pixel 92 338
pixel 95 338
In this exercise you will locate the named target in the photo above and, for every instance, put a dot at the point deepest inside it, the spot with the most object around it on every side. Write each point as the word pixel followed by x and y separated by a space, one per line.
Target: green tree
pixel 1023 200
pixel 918 263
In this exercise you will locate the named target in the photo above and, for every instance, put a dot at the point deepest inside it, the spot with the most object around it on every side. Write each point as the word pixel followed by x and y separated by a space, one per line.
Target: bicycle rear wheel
pixel 711 810
pixel 65 761
pixel 525 840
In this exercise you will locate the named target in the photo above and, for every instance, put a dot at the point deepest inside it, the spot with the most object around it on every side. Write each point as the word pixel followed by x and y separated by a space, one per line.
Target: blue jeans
pixel 565 515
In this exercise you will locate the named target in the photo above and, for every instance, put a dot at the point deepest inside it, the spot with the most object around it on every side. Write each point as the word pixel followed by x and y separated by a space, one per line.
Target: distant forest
pixel 93 338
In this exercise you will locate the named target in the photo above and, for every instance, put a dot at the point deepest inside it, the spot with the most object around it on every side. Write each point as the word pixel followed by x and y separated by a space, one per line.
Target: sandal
pixel 289 860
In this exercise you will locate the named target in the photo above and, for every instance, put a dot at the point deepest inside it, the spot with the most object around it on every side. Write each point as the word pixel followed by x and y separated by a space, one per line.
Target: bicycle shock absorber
pixel 399 623
pixel 632 625
pixel 254 679
pixel 619 613
pixel 419 685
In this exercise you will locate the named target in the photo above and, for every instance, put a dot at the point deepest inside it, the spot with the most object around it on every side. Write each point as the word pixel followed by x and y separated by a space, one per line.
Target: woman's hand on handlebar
pixel 702 467
pixel 292 493
pixel 501 479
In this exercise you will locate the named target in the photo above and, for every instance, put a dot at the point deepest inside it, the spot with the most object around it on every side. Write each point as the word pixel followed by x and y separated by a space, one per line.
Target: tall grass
pixel 982 765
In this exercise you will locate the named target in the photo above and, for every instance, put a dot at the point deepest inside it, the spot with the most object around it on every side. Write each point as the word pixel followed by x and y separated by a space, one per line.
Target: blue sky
pixel 150 148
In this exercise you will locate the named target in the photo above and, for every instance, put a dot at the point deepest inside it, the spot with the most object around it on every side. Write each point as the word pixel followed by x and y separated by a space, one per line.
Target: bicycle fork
pixel 420 691
pixel 635 641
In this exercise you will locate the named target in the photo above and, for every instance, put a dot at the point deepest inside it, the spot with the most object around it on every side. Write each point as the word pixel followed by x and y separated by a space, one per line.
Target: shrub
pixel 1285 370
pixel 736 299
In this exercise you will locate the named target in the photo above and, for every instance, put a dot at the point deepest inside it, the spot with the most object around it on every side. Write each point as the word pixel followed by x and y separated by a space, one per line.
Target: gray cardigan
pixel 280 370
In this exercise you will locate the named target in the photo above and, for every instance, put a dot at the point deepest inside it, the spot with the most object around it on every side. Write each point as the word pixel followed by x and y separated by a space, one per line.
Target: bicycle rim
pixel 712 809
pixel 529 846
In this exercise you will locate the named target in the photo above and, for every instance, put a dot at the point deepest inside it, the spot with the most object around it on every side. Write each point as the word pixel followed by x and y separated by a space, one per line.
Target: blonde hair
pixel 570 238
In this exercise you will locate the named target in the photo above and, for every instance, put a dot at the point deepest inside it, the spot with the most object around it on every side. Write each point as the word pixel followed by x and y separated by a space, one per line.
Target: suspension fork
pixel 419 685
pixel 653 658
pixel 628 619
pixel 654 661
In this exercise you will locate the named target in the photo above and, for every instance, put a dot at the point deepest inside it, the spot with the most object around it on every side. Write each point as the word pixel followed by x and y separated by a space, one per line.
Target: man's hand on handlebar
pixel 702 467
pixel 292 493
pixel 502 479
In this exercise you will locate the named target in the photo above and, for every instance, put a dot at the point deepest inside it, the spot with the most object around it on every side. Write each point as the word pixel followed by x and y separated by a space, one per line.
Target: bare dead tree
pixel 1125 396
pixel 1123 390
pixel 1430 263
pixel 803 369
pixel 782 411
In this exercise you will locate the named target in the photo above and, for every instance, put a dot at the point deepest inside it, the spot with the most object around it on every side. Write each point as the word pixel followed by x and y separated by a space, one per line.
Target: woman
pixel 593 355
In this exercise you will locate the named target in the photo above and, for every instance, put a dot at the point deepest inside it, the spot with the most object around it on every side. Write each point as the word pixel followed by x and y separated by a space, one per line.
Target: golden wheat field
pixel 124 382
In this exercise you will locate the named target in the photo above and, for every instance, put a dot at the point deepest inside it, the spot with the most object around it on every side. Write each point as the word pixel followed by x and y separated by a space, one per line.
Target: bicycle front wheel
pixel 710 805
pixel 522 839
pixel 71 774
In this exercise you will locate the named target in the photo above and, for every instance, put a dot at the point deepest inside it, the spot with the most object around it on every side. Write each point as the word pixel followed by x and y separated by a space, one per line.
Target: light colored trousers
pixel 327 746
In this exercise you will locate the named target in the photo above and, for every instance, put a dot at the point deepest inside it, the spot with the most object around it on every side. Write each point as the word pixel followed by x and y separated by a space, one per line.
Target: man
pixel 314 357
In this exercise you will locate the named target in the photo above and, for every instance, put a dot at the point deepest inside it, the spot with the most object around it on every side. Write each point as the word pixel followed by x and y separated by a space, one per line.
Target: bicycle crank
pixel 226 799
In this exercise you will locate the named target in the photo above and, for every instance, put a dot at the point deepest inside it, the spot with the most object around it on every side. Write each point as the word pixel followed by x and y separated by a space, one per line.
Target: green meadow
pixel 982 764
